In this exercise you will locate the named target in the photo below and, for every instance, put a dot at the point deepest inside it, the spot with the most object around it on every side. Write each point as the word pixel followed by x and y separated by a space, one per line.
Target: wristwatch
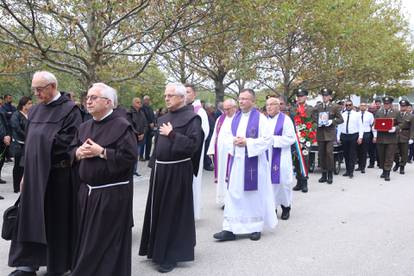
pixel 102 154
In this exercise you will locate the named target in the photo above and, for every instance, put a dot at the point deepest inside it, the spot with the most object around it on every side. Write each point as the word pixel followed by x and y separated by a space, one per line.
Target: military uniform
pixel 387 140
pixel 404 136
pixel 301 180
pixel 326 135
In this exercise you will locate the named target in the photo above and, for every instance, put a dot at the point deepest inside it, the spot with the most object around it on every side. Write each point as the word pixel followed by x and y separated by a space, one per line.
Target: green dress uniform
pixel 405 134
pixel 326 135
pixel 387 141
pixel 301 180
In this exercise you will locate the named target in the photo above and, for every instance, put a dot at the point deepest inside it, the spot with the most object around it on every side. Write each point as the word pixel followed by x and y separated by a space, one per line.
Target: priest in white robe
pixel 217 149
pixel 197 180
pixel 280 156
pixel 249 205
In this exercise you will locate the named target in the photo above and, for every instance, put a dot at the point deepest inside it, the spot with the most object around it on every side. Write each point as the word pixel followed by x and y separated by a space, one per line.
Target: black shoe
pixel 224 236
pixel 358 169
pixel 323 178
pixel 137 174
pixel 209 169
pixel 409 161
pixel 298 186
pixel 285 213
pixel 371 166
pixel 167 267
pixel 329 180
pixel 305 186
pixel 22 273
pixel 351 175
pixel 2 181
pixel 402 171
pixel 387 176
pixel 1 197
pixel 363 171
pixel 222 207
pixel 397 165
pixel 255 236
pixel 383 174
pixel 346 174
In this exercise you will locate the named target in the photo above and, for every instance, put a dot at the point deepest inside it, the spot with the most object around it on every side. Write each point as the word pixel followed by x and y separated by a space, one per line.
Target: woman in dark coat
pixel 18 123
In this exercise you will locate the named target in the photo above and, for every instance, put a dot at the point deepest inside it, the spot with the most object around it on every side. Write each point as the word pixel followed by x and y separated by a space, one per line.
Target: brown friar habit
pixel 105 201
pixel 168 234
pixel 45 219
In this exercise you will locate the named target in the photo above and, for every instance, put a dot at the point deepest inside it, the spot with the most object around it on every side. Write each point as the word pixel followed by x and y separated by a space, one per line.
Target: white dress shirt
pixel 354 124
pixel 367 120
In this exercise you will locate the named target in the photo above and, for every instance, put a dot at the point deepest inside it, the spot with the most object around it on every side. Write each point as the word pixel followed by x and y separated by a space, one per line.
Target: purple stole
pixel 250 164
pixel 276 152
pixel 220 121
pixel 196 108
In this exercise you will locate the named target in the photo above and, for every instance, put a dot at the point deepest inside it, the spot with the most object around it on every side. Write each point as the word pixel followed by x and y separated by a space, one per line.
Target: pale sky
pixel 408 9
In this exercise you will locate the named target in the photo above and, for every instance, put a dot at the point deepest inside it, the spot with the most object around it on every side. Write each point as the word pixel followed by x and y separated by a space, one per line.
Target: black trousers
pixel 17 172
pixel 148 144
pixel 411 154
pixel 3 149
pixel 349 144
pixel 362 150
pixel 372 152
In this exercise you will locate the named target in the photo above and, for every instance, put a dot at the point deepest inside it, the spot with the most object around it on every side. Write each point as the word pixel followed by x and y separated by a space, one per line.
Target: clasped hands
pixel 88 149
pixel 239 141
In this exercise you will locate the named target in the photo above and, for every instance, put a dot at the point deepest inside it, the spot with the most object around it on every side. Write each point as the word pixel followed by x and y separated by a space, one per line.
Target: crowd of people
pixel 74 168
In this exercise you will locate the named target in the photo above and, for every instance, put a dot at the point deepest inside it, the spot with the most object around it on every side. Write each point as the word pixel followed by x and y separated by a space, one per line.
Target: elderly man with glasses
pixel 44 229
pixel 105 193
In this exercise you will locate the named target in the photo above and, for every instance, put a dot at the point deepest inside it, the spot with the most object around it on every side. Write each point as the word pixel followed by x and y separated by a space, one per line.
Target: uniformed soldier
pixel 327 115
pixel 298 108
pixel 405 136
pixel 387 140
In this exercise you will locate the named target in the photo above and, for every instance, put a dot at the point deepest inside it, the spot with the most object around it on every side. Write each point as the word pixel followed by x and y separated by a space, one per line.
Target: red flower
pixel 312 135
pixel 309 125
pixel 298 120
pixel 314 141
pixel 303 134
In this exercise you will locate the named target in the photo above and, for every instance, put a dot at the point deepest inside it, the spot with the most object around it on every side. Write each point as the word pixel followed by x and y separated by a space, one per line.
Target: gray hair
pixel 232 102
pixel 146 97
pixel 107 92
pixel 47 76
pixel 179 88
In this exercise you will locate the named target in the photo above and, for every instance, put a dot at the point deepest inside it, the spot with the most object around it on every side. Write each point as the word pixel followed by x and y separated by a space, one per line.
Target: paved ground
pixel 363 226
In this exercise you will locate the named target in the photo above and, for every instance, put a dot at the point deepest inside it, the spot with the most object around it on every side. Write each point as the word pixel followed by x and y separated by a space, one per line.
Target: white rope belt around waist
pixel 105 186
pixel 172 162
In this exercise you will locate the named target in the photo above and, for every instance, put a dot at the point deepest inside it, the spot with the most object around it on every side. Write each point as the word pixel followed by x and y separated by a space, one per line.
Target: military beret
pixel 326 92
pixel 404 103
pixel 301 92
pixel 387 99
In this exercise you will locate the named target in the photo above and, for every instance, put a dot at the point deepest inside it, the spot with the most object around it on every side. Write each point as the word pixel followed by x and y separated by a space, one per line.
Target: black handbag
pixel 10 221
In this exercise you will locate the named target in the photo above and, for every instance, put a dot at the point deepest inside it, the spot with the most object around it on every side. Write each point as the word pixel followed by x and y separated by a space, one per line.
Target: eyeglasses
pixel 94 98
pixel 348 105
pixel 39 88
pixel 170 95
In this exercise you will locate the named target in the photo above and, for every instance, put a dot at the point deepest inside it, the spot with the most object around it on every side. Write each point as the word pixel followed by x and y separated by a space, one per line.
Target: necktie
pixel 386 113
pixel 347 121
pixel 362 117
